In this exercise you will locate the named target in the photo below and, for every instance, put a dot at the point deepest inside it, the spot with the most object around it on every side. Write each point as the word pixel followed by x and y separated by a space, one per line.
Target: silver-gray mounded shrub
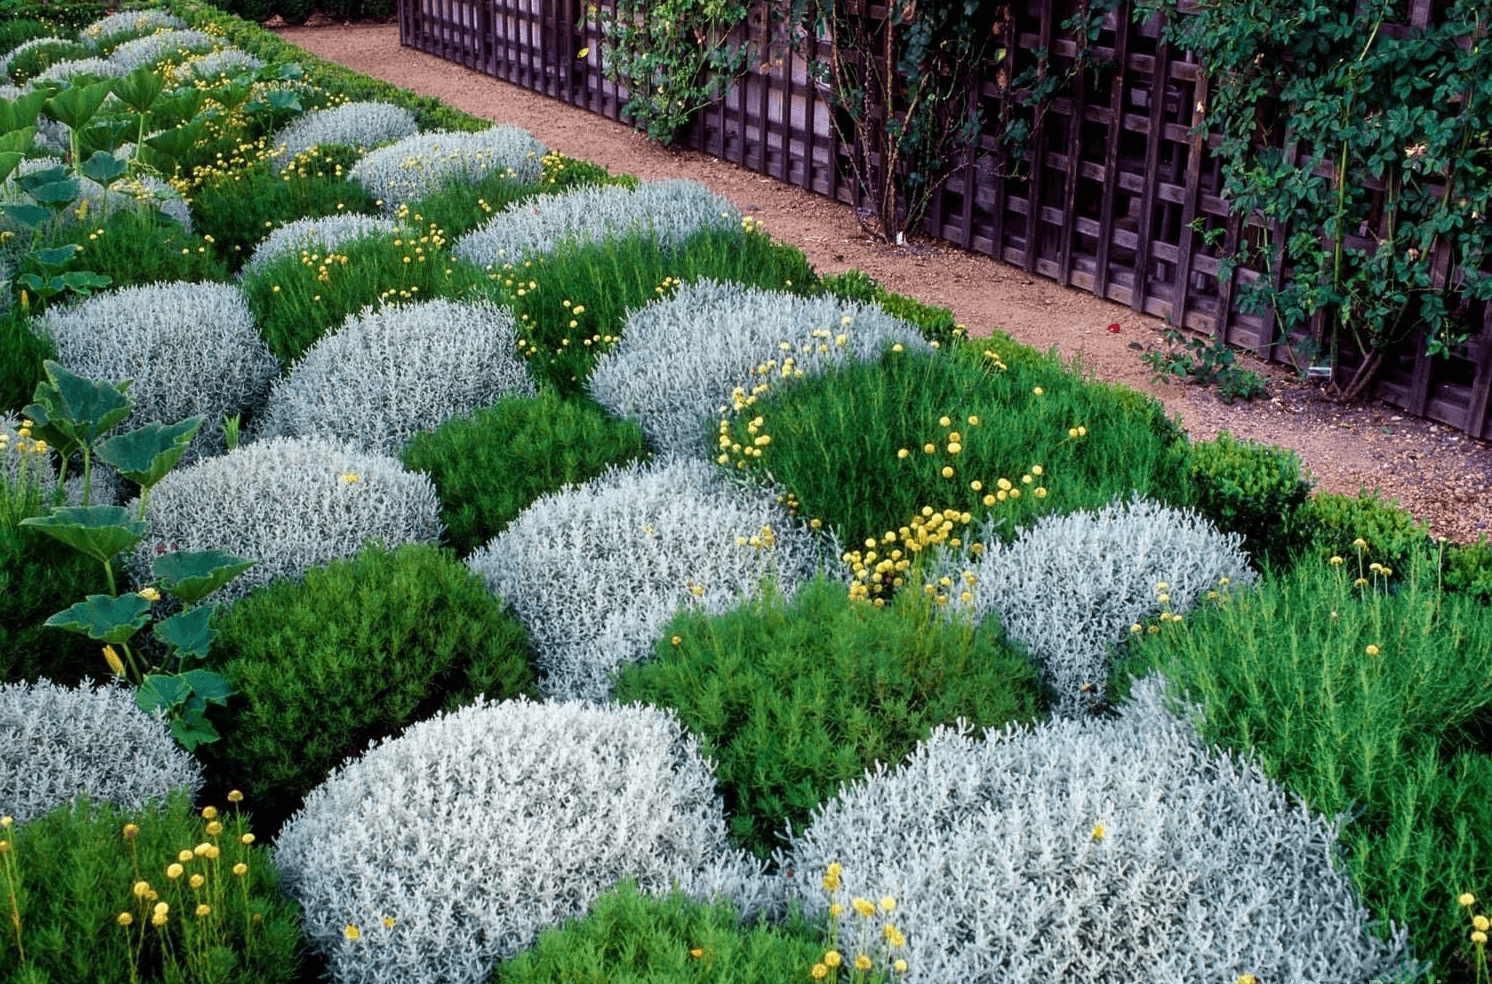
pixel 287 503
pixel 129 24
pixel 418 165
pixel 8 58
pixel 224 61
pixel 391 372
pixel 58 743
pixel 317 234
pixel 596 570
pixel 66 71
pixel 474 830
pixel 1070 588
pixel 19 465
pixel 669 211
pixel 146 51
pixel 356 124
pixel 191 349
pixel 680 359
pixel 1096 850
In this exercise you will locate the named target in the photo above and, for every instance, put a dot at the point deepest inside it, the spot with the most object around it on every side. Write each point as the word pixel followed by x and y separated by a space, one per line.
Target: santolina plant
pixel 1097 850
pixel 356 124
pixel 389 373
pixel 595 571
pixel 418 164
pixel 683 358
pixel 317 234
pixel 437 853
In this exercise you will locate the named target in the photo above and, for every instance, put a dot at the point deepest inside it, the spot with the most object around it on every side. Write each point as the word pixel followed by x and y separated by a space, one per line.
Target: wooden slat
pixel 1123 27
pixel 1180 294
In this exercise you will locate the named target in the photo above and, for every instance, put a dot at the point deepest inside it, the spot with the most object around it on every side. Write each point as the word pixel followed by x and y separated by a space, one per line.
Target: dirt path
pixel 1441 475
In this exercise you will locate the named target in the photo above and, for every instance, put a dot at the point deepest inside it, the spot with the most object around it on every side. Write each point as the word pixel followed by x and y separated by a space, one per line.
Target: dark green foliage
pixel 76 870
pixel 17 31
pixel 133 247
pixel 461 204
pixel 489 466
pixel 630 938
pixel 22 351
pixel 1332 523
pixel 33 61
pixel 355 651
pixel 1468 569
pixel 935 323
pixel 1249 488
pixel 1364 700
pixel 609 279
pixel 240 208
pixel 64 16
pixel 791 700
pixel 837 440
pixel 294 308
pixel 39 577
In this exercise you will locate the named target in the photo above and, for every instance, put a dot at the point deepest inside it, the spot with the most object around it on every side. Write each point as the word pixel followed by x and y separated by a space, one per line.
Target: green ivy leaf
pixel 76 105
pixel 161 691
pixel 104 617
pixel 189 633
pixel 140 89
pixel 70 411
pixel 210 686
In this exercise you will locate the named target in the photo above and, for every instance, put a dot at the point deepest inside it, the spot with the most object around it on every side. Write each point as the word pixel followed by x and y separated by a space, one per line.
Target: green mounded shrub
pixel 462 202
pixel 935 323
pixel 866 447
pixel 1366 699
pixel 1468 569
pixel 296 299
pixel 792 699
pixel 77 871
pixel 562 173
pixel 19 30
pixel 487 467
pixel 22 352
pixel 571 303
pixel 134 248
pixel 237 209
pixel 355 651
pixel 632 938
pixel 1331 524
pixel 1252 489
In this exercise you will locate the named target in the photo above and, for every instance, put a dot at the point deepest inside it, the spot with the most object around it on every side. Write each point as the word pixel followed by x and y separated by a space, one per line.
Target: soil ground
pixel 1441 475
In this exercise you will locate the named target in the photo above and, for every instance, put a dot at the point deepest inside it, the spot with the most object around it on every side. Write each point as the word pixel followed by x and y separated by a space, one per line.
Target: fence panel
pixel 1117 193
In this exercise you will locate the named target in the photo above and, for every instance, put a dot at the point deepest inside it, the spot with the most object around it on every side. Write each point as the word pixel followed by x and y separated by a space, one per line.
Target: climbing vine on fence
pixel 1362 152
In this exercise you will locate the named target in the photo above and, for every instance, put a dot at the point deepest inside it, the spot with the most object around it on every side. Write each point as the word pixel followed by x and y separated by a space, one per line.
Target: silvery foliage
pixel 671 211
pixel 145 52
pixel 1070 587
pixel 58 743
pixel 191 349
pixel 38 471
pixel 129 24
pixel 288 503
pixel 596 570
pixel 317 234
pixel 8 58
pixel 679 359
pixel 225 61
pixel 1204 869
pixel 356 124
pixel 391 372
pixel 66 71
pixel 475 830
pixel 418 165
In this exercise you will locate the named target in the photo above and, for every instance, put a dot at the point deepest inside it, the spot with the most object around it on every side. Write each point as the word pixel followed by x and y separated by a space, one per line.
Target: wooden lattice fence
pixel 1116 193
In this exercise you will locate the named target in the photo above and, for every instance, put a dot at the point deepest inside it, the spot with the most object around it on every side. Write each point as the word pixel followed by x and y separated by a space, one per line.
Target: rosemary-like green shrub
pixel 866 447
pixel 134 247
pixel 78 871
pixel 301 655
pixel 490 465
pixel 22 351
pixel 420 163
pixel 628 937
pixel 793 699
pixel 362 125
pixel 1365 699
